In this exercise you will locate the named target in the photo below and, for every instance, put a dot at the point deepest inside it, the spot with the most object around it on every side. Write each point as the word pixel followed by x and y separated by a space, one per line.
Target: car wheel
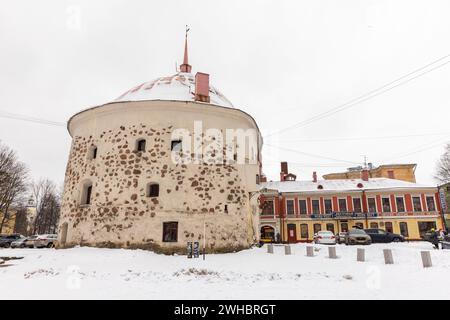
pixel 50 245
pixel 7 245
pixel 396 239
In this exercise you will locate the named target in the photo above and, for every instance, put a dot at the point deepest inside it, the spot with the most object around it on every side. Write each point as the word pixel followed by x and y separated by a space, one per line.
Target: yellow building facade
pixel 405 172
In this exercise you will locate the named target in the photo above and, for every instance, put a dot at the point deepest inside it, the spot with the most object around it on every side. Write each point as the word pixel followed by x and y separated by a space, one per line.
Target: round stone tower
pixel 170 161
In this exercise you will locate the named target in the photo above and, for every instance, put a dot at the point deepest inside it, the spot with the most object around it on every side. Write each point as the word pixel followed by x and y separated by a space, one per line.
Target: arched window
pixel 86 193
pixel 152 190
pixel 140 145
pixel 92 154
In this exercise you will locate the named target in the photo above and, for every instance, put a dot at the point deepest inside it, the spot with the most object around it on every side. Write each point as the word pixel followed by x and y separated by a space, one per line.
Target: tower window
pixel 176 145
pixel 86 193
pixel 153 190
pixel 92 153
pixel 170 231
pixel 140 145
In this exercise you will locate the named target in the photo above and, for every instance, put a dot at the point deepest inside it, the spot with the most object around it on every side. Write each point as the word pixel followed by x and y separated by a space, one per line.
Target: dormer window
pixel 320 187
pixel 140 145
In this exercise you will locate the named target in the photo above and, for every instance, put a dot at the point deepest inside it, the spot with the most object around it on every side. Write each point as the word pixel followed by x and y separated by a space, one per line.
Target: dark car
pixel 382 236
pixel 5 240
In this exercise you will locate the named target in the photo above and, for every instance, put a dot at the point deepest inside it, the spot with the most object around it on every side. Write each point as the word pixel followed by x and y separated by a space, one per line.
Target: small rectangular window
pixel 290 207
pixel 153 190
pixel 304 231
pixel 417 205
pixel 176 145
pixel 342 205
pixel 400 202
pixel 430 204
pixel 140 145
pixel 302 206
pixel 328 206
pixel 386 203
pixel 372 205
pixel 357 205
pixel 315 206
pixel 170 231
pixel 268 208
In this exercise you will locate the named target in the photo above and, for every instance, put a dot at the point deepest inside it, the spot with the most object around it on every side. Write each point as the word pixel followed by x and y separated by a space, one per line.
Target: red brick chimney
pixel 314 176
pixel 365 175
pixel 202 87
pixel 284 170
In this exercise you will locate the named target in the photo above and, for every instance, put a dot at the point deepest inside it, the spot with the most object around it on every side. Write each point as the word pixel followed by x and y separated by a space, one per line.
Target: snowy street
pixel 90 273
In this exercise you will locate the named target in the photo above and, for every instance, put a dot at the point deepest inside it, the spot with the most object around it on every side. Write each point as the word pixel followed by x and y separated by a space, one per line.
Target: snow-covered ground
pixel 91 273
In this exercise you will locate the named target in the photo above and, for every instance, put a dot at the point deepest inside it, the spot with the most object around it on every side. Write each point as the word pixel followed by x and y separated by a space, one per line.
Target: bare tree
pixel 13 183
pixel 47 199
pixel 443 166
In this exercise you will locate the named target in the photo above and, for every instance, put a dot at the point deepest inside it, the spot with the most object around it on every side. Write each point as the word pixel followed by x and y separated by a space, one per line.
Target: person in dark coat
pixel 434 238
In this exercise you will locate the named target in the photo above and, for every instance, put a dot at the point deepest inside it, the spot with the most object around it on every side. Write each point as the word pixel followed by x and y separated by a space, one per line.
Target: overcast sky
pixel 281 61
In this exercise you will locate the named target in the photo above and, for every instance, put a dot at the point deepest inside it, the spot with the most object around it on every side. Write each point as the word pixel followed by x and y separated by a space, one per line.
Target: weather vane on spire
pixel 186 67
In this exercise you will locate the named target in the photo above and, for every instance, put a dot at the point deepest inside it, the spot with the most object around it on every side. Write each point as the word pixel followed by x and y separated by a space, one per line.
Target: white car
pixel 324 237
pixel 45 241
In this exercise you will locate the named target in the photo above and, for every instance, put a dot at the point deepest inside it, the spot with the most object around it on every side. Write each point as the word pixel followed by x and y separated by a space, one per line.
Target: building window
pixel 268 208
pixel 374 225
pixel 315 206
pixel 140 145
pixel 317 227
pixel 176 145
pixel 357 205
pixel 404 229
pixel 425 226
pixel 359 225
pixel 400 202
pixel 225 208
pixel 330 227
pixel 328 206
pixel 153 190
pixel 430 204
pixel 257 179
pixel 417 205
pixel 391 174
pixel 388 227
pixel 372 204
pixel 302 206
pixel 92 153
pixel 170 231
pixel 86 194
pixel 342 205
pixel 344 226
pixel 304 231
pixel 386 204
pixel 290 207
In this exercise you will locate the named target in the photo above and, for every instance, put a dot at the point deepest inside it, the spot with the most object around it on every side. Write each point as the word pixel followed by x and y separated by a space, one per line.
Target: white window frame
pixel 360 202
pixel 404 203
pixel 346 204
pixel 434 200
pixel 293 207
pixel 390 204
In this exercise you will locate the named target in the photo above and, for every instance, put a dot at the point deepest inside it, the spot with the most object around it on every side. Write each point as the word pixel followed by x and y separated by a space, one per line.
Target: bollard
pixel 388 258
pixel 287 249
pixel 310 251
pixel 270 248
pixel 360 255
pixel 426 259
pixel 332 253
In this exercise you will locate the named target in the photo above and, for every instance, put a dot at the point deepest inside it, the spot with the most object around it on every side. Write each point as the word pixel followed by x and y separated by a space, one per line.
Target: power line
pixel 369 95
pixel 311 154
pixel 367 138
pixel 15 116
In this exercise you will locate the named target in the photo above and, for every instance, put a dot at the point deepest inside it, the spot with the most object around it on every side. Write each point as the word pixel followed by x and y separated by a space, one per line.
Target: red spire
pixel 185 67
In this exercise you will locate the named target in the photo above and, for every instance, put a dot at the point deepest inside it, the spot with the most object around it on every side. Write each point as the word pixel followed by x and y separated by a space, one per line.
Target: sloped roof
pixel 343 185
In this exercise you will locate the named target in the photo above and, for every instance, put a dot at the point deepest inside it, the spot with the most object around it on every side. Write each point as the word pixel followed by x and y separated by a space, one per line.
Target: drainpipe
pixel 280 212
pixel 364 201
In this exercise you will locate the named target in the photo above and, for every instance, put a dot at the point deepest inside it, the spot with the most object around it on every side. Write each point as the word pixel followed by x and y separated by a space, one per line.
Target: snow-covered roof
pixel 342 185
pixel 178 87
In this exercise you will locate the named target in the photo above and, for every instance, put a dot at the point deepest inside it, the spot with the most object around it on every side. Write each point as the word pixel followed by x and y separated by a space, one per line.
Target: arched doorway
pixel 267 234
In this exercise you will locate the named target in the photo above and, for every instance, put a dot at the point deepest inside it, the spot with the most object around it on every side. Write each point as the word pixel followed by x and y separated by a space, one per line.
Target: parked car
pixel 357 236
pixel 382 236
pixel 324 237
pixel 19 243
pixel 29 242
pixel 6 240
pixel 340 237
pixel 45 241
